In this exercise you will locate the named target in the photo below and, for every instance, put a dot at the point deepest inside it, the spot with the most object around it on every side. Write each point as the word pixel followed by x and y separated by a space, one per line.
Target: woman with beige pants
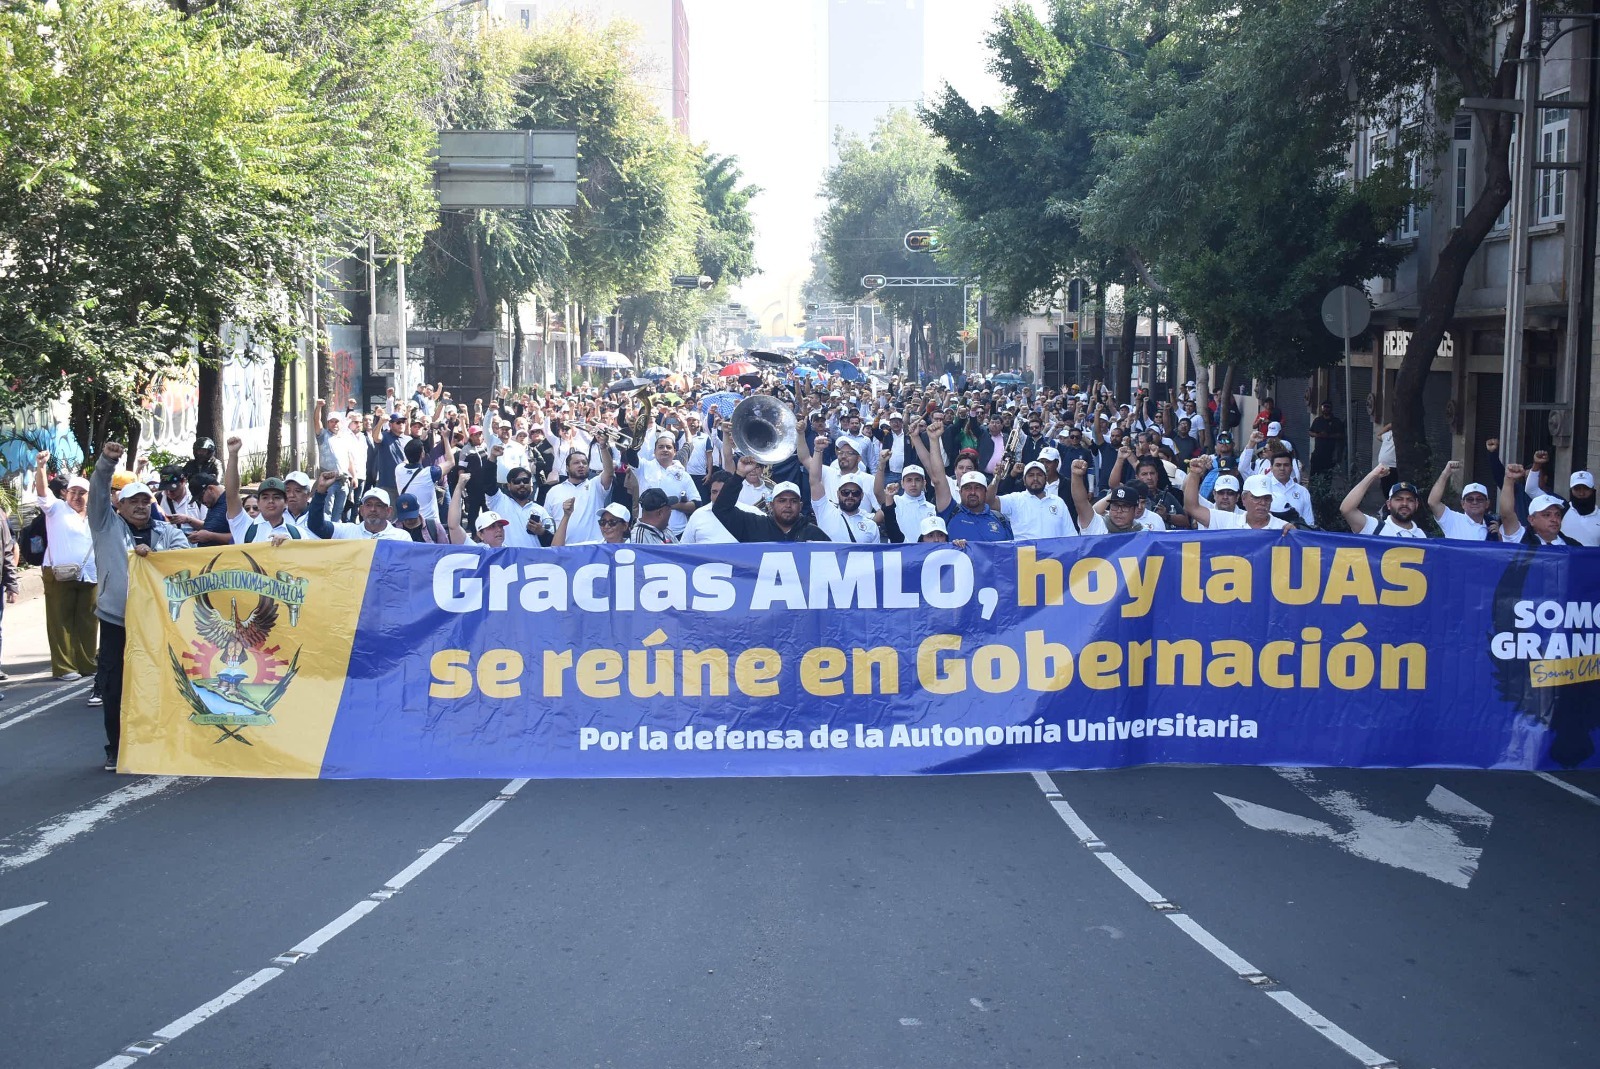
pixel 69 576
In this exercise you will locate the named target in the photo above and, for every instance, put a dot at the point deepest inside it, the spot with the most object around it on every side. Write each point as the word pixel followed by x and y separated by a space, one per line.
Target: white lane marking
pixel 1212 945
pixel 318 939
pixel 216 1005
pixel 1219 950
pixel 74 691
pixel 419 866
pixel 1330 1031
pixel 60 830
pixel 313 942
pixel 484 812
pixel 9 915
pixel 1445 847
pixel 1129 877
pixel 1563 784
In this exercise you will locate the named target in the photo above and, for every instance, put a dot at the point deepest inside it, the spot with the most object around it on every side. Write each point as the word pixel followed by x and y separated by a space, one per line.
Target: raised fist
pixel 112 451
pixel 1452 466
pixel 1080 467
pixel 566 506
pixel 235 443
pixel 42 459
pixel 1515 472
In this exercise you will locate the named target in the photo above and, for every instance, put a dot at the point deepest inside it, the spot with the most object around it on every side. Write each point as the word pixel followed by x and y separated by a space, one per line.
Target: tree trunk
pixel 208 409
pixel 1224 400
pixel 1436 305
pixel 519 339
pixel 275 416
pixel 483 309
pixel 1100 331
pixel 1122 378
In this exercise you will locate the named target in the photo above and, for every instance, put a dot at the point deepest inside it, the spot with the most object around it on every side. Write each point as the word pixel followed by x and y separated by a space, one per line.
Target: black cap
pixel 652 499
pixel 1123 495
pixel 1405 488
pixel 203 480
pixel 1225 437
pixel 172 475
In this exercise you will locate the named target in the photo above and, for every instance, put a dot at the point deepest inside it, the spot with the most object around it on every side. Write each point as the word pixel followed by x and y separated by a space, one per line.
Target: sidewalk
pixel 24 650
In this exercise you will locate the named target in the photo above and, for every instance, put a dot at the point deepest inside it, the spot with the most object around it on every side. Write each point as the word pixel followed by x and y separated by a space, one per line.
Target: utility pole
pixel 1522 193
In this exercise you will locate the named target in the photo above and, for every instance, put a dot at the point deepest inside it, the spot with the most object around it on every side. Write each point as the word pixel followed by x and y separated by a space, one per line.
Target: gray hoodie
pixel 113 538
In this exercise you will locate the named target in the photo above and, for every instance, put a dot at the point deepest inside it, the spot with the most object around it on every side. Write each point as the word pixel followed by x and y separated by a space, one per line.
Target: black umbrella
pixel 623 385
pixel 763 356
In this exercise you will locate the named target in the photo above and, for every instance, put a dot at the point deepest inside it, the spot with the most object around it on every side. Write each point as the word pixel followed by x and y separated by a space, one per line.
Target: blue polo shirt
pixel 217 516
pixel 985 526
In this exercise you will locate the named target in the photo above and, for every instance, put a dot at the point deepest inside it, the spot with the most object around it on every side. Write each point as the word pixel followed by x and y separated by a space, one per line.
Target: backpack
pixel 34 540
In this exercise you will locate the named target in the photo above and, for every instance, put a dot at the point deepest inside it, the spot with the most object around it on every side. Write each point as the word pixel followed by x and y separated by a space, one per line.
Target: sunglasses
pixel 519 482
pixel 611 521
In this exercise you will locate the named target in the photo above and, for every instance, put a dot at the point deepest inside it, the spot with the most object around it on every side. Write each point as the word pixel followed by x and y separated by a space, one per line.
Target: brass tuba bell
pixel 763 428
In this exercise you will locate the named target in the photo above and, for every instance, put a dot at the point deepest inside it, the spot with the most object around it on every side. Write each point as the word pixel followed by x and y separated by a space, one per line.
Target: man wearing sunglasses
pixel 528 523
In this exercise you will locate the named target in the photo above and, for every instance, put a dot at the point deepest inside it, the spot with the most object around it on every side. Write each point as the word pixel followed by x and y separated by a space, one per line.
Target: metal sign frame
pixel 506 169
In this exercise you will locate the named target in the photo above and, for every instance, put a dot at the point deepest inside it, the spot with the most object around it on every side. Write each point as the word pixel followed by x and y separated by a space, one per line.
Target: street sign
pixel 506 169
pixel 690 282
pixel 923 241
pixel 872 282
pixel 1345 312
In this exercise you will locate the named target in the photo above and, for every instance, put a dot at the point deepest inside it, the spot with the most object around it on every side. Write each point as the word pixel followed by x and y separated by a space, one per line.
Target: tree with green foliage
pixel 880 189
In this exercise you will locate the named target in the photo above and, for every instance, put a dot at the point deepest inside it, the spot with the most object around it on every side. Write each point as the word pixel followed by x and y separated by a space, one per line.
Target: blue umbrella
pixel 604 358
pixel 654 373
pixel 810 347
pixel 804 372
pixel 724 402
pixel 845 370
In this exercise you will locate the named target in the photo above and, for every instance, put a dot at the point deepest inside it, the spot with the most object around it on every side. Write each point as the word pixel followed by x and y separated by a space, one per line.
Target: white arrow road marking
pixel 1435 847
pixel 9 915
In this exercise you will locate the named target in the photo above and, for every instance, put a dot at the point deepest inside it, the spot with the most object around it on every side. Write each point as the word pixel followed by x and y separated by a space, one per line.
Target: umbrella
pixel 739 367
pixel 654 373
pixel 845 370
pixel 802 371
pixel 765 357
pixel 752 378
pixel 603 358
pixel 810 347
pixel 627 384
pixel 724 402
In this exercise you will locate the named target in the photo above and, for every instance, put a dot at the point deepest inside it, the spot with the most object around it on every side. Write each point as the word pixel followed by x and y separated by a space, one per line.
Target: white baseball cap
pixel 1545 501
pixel 1050 452
pixel 298 477
pixel 972 477
pixel 842 441
pixel 134 489
pixel 1258 485
pixel 1031 465
pixel 489 518
pixel 78 482
pixel 857 480
pixel 1581 478
pixel 614 510
pixel 913 469
pixel 1225 482
pixel 1274 429
pixel 1474 488
pixel 379 493
pixel 896 415
pixel 931 524
pixel 785 488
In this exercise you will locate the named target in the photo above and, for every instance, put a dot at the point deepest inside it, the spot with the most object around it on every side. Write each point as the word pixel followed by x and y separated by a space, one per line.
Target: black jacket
pixel 748 527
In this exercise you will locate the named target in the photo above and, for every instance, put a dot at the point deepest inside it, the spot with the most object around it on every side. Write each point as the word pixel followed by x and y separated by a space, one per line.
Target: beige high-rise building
pixel 663 40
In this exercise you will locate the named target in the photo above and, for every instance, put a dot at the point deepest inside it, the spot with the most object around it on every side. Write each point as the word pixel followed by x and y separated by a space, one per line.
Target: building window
pixel 1504 219
pixel 1461 158
pixel 1410 220
pixel 1552 185
pixel 527 18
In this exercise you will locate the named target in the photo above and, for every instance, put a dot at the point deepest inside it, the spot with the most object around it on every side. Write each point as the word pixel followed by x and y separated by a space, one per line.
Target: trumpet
pixel 600 431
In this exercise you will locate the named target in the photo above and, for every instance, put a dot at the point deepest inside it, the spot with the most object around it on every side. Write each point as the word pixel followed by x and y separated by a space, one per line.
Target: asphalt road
pixel 843 923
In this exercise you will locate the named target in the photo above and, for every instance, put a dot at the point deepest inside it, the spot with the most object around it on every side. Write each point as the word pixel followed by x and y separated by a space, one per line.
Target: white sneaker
pixel 70 677
pixel 95 699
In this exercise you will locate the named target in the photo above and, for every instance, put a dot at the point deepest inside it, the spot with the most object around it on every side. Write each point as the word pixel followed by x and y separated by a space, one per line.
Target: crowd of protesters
pixel 955 462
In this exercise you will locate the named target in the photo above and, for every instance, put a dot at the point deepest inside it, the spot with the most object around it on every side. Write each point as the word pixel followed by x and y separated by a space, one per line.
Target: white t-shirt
pixel 589 496
pixel 1235 521
pixel 1392 529
pixel 673 481
pixel 859 528
pixel 753 496
pixel 1386 453
pixel 419 482
pixel 1459 525
pixel 70 540
pixel 357 531
pixel 909 512
pixel 253 529
pixel 704 529
pixel 832 477
pixel 1036 517
pixel 518 516
pixel 1585 529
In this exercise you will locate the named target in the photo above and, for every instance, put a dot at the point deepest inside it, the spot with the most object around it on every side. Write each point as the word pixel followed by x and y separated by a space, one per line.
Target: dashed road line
pixel 1564 785
pixel 1186 924
pixel 313 944
pixel 31 708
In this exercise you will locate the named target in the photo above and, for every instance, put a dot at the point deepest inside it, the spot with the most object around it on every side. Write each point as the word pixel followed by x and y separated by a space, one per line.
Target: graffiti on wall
pixel 25 431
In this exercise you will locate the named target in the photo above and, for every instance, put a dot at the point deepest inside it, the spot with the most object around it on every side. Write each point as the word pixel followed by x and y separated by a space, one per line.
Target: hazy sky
pixel 757 83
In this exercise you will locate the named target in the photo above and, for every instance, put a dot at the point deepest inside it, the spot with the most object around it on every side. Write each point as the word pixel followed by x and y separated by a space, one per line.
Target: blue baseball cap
pixel 408 508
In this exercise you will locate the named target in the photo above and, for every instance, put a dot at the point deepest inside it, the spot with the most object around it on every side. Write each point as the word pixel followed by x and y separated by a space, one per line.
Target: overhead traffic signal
pixel 923 241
